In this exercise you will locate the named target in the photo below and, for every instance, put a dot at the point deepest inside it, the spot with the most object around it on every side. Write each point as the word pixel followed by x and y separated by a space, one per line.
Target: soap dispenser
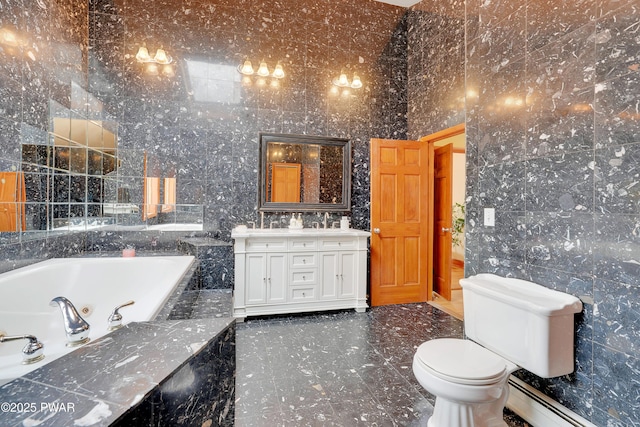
pixel 292 222
pixel 299 222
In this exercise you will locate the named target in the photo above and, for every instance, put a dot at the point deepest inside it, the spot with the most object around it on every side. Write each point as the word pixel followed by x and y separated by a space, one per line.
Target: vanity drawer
pixel 338 243
pixel 263 245
pixel 307 259
pixel 303 277
pixel 303 244
pixel 302 293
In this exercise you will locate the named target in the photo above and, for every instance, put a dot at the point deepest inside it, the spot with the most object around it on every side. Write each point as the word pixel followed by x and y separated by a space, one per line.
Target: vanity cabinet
pixel 279 271
pixel 267 277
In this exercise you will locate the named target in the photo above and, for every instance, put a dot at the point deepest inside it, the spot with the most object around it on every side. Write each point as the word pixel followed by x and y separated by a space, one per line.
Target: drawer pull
pixel 304 261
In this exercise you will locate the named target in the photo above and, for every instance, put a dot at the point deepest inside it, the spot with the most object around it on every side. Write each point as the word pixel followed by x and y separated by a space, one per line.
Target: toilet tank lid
pixel 522 293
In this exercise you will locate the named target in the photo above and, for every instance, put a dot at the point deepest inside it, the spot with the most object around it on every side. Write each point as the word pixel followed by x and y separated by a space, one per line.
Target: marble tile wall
pixel 43 52
pixel 206 118
pixel 203 121
pixel 552 144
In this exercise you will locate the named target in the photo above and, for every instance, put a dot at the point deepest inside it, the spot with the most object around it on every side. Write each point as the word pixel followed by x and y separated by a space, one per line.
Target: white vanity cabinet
pixel 282 271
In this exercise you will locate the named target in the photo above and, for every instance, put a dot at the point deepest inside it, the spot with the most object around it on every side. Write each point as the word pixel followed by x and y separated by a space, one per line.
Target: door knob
pixel 376 230
pixel 445 230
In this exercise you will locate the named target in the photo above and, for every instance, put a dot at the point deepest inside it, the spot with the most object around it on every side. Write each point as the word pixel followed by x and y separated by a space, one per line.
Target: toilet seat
pixel 461 361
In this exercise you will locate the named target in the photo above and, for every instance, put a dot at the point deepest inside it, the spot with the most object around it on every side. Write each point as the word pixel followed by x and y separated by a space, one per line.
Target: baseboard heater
pixel 540 410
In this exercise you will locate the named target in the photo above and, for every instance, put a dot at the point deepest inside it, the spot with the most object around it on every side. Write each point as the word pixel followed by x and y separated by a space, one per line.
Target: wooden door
pixel 443 177
pixel 402 238
pixel 12 201
pixel 285 182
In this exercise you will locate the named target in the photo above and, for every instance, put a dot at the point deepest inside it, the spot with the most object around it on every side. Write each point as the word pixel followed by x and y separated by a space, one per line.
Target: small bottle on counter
pixel 128 252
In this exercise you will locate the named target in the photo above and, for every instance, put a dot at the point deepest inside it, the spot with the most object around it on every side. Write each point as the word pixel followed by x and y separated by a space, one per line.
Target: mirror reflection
pixel 304 173
pixel 74 177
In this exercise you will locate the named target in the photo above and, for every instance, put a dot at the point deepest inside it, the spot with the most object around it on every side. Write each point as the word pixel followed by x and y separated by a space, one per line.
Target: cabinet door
pixel 276 278
pixel 348 275
pixel 330 275
pixel 256 276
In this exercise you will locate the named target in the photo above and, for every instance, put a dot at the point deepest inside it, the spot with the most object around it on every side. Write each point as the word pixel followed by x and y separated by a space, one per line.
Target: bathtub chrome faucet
pixel 76 328
pixel 32 352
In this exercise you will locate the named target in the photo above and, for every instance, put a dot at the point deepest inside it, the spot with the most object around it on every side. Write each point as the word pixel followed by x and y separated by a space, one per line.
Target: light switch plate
pixel 489 217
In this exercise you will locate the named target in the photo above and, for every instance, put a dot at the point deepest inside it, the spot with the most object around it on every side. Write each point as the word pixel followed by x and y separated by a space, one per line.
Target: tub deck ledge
pixel 142 372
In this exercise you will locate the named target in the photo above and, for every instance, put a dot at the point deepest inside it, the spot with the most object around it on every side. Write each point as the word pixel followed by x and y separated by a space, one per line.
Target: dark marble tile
pixel 298 368
pixel 616 120
pixel 616 248
pixel 617 53
pixel 561 241
pixel 615 391
pixel 617 171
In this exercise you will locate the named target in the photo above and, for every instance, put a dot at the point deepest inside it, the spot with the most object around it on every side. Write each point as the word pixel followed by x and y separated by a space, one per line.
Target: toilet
pixel 509 324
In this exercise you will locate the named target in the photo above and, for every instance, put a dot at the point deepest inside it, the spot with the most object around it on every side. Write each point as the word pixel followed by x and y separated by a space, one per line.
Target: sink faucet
pixel 76 328
pixel 324 221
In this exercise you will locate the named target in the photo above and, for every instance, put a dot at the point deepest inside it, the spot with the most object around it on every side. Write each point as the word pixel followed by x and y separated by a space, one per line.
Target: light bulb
pixel 278 73
pixel 356 83
pixel 167 70
pixel 152 69
pixel 143 55
pixel 342 80
pixel 247 68
pixel 263 70
pixel 8 37
pixel 162 57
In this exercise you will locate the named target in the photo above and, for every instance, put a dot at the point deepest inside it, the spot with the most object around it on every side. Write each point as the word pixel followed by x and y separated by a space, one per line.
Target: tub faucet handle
pixel 32 352
pixel 115 319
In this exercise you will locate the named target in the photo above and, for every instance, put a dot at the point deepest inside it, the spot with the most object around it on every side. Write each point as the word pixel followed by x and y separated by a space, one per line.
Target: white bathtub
pixel 94 284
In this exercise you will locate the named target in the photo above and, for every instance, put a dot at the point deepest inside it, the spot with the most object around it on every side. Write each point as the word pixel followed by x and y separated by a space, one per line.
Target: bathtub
pixel 95 286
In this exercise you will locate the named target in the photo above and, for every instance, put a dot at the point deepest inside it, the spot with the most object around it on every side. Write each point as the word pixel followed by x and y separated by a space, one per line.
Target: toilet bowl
pixel 469 381
pixel 509 324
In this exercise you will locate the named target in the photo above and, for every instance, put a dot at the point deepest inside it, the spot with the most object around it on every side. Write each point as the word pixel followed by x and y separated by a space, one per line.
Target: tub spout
pixel 32 352
pixel 76 328
pixel 115 319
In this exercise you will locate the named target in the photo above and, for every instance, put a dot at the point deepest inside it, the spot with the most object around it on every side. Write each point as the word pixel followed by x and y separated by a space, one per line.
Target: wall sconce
pixel 156 64
pixel 263 70
pixel 343 82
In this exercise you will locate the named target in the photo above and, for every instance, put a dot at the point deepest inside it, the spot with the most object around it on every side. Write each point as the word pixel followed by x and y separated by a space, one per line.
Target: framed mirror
pixel 304 173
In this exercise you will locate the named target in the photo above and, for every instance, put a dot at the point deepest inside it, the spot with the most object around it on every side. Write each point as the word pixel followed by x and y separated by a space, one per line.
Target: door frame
pixel 431 140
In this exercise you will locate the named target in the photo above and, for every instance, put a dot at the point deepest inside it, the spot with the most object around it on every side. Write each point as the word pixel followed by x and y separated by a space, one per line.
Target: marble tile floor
pixel 339 368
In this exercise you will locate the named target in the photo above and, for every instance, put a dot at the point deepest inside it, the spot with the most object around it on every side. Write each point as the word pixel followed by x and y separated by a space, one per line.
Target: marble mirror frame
pixel 265 205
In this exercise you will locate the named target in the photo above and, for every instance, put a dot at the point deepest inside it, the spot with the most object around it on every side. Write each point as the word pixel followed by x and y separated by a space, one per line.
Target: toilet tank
pixel 526 323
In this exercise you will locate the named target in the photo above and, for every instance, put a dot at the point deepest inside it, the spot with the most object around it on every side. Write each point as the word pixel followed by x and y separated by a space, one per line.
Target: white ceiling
pixel 403 3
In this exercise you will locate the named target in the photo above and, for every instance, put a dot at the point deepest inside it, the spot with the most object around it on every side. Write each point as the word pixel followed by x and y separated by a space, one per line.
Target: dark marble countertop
pixel 102 380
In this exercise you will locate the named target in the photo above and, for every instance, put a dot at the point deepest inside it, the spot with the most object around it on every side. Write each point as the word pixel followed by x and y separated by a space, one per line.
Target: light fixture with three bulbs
pixel 263 70
pixel 153 63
